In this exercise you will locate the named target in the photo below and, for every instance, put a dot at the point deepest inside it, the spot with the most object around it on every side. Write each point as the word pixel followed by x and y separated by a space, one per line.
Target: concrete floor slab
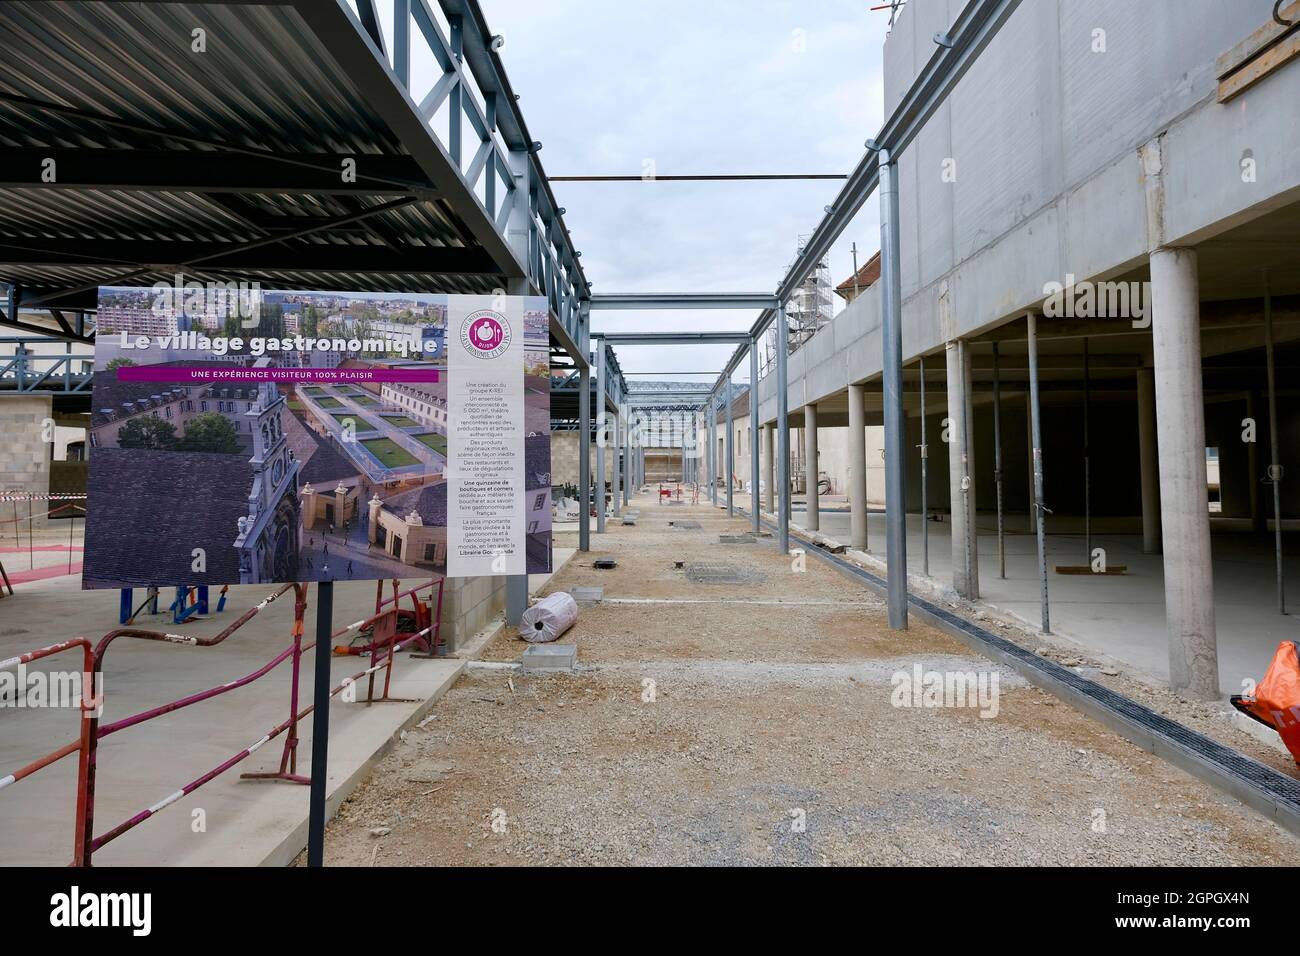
pixel 1119 616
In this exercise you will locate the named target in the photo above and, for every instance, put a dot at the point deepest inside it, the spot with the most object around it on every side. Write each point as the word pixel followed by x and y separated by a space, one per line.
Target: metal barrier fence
pixel 381 647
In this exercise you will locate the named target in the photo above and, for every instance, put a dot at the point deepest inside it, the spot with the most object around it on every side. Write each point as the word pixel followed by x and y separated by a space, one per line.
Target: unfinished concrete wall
pixel 564 459
pixel 1041 137
pixel 468 605
pixel 24 448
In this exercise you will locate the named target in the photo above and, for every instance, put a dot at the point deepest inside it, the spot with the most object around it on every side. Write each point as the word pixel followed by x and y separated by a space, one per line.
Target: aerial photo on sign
pixel 242 435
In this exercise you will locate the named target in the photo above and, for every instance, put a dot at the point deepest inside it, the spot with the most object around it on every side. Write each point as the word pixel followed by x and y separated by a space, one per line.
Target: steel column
pixel 997 460
pixel 753 434
pixel 891 301
pixel 584 431
pixel 730 454
pixel 1275 461
pixel 602 440
pixel 1036 454
pixel 925 462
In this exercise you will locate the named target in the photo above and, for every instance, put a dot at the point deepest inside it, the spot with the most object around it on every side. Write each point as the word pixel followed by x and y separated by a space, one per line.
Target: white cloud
pixel 699 87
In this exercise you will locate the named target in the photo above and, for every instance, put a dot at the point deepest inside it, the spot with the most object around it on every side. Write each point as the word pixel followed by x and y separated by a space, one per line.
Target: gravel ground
pixel 719 730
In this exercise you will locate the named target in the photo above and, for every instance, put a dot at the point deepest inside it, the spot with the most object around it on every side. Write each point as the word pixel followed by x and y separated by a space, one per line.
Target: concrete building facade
pixel 1100 182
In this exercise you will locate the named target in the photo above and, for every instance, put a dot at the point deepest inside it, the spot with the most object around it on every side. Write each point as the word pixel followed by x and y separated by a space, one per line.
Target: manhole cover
pixel 702 572
pixel 736 539
pixel 686 525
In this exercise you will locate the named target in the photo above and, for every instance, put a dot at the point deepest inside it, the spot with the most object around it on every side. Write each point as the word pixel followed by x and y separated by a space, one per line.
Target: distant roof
pixel 865 278
pixel 739 407
pixel 110 392
pixel 151 509
pixel 428 501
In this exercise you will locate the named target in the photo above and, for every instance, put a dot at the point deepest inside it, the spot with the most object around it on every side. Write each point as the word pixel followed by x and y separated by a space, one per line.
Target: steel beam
pixel 704 300
pixel 974 28
pixel 675 338
pixel 213 171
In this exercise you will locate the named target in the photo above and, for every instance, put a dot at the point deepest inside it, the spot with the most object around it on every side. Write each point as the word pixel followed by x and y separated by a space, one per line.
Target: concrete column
pixel 810 466
pixel 965 563
pixel 783 430
pixel 858 467
pixel 769 468
pixel 1184 513
pixel 1148 460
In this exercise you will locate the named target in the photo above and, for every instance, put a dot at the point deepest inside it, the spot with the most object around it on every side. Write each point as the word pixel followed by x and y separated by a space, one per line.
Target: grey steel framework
pixel 209 154
pixel 241 169
pixel 955 51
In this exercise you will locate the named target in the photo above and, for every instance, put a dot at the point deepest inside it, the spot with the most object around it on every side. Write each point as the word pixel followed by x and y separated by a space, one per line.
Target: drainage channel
pixel 1262 788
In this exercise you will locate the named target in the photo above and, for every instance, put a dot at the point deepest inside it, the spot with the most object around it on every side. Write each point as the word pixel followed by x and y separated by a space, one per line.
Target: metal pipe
pixel 602 440
pixel 1036 432
pixel 997 460
pixel 1087 465
pixel 584 442
pixel 782 432
pixel 730 461
pixel 1275 464
pixel 753 433
pixel 925 464
pixel 320 725
pixel 628 464
pixel 891 299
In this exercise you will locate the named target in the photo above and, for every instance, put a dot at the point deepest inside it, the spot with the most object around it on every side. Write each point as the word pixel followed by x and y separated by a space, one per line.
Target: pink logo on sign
pixel 485 334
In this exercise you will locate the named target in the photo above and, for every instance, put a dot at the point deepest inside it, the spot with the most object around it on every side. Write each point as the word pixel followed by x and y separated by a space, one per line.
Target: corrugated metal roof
pixel 265 83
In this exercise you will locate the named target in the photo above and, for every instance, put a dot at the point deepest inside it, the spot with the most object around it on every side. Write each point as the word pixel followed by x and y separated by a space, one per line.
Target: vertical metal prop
pixel 753 432
pixel 1036 432
pixel 1087 463
pixel 320 724
pixel 730 465
pixel 782 432
pixel 925 464
pixel 1275 464
pixel 997 460
pixel 602 440
pixel 892 343
pixel 584 433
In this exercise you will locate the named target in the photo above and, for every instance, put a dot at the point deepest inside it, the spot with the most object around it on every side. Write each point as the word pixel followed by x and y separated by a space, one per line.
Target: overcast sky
pixel 711 86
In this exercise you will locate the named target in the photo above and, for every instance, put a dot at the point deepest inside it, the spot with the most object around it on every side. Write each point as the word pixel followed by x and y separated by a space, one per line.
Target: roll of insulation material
pixel 548 618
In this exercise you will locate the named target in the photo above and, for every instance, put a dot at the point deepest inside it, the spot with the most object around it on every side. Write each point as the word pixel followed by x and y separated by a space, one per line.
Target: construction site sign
pixel 242 435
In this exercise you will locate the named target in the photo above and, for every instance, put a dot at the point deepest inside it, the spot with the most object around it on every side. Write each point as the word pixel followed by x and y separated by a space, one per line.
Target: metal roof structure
pixel 284 143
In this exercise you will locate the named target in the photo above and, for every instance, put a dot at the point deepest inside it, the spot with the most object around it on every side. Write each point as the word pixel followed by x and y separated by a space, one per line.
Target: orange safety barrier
pixel 382 647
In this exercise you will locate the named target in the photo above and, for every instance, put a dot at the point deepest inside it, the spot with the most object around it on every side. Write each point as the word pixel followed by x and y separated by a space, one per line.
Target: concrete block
pixel 586 597
pixel 549 658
